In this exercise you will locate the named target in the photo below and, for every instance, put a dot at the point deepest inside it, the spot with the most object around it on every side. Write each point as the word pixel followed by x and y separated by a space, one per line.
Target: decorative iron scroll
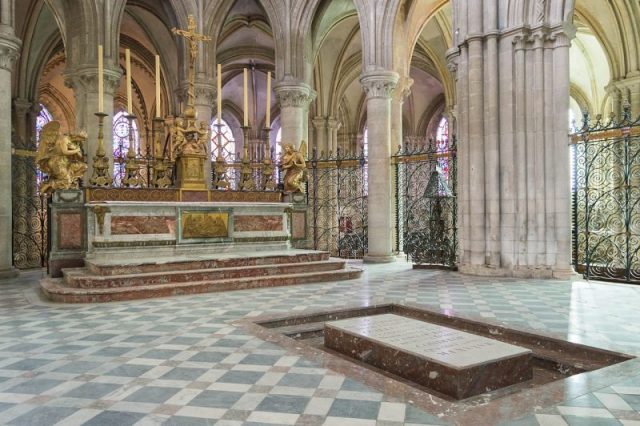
pixel 30 228
pixel 426 203
pixel 337 192
pixel 606 198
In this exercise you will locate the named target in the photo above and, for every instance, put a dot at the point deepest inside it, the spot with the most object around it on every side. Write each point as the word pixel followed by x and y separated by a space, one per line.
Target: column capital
pixel 22 106
pixel 205 92
pixel 403 89
pixel 294 94
pixel 9 51
pixel 86 79
pixel 333 124
pixel 379 84
pixel 319 122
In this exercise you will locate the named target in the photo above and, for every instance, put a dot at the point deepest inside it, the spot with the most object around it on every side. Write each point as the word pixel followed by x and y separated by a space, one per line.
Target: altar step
pixel 111 282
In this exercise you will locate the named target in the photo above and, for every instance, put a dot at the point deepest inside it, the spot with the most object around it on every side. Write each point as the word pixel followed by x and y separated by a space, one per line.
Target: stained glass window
pixel 442 146
pixel 278 143
pixel 121 144
pixel 44 116
pixel 227 141
pixel 365 142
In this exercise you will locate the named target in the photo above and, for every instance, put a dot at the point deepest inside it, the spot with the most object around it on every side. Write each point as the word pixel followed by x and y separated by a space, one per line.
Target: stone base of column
pixel 542 272
pixel 370 258
pixel 8 273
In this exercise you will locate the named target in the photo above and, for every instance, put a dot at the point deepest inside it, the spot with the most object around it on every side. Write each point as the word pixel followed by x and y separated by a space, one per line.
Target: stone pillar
pixel 379 87
pixel 9 48
pixel 294 101
pixel 84 82
pixel 332 135
pixel 513 168
pixel 321 141
pixel 402 92
pixel 22 108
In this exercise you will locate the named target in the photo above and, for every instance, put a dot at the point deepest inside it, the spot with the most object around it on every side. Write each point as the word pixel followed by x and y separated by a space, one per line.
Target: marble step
pixel 83 278
pixel 229 260
pixel 56 290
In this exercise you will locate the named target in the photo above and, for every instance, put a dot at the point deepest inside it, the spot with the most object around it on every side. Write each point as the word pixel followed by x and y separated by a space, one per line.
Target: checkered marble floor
pixel 179 361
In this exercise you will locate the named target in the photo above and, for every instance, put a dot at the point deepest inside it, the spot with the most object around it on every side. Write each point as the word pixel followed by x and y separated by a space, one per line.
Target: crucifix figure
pixel 193 38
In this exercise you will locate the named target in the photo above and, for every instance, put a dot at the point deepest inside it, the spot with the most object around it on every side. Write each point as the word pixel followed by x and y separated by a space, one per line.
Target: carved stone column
pixel 402 92
pixel 9 48
pixel 321 141
pixel 22 108
pixel 379 87
pixel 513 165
pixel 84 82
pixel 294 101
pixel 333 126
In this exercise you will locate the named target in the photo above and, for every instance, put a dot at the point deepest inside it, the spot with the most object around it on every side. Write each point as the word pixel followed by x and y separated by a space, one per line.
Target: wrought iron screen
pixel 337 191
pixel 426 203
pixel 30 226
pixel 606 198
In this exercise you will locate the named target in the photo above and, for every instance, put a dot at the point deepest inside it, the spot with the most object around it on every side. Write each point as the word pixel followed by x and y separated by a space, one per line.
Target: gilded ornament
pixel 294 167
pixel 61 158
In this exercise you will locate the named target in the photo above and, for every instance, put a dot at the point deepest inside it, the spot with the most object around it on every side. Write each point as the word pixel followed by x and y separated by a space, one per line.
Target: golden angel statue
pixel 60 157
pixel 294 167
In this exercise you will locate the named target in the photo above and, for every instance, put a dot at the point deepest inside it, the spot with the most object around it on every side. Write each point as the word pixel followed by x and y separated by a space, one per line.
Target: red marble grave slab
pixel 135 225
pixel 247 223
pixel 69 231
pixel 449 361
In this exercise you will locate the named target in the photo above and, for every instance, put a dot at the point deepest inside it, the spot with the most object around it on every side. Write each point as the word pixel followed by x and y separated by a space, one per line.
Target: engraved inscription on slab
pixel 202 224
pixel 454 348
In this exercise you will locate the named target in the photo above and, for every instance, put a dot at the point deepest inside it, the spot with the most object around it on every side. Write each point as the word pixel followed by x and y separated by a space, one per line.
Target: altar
pixel 181 220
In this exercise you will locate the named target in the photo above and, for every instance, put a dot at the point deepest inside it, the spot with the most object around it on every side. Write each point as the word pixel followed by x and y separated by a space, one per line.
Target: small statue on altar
pixel 177 135
pixel 295 167
pixel 60 157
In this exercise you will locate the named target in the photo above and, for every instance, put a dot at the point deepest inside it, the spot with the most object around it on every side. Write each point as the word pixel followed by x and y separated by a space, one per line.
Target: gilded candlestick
pixel 101 176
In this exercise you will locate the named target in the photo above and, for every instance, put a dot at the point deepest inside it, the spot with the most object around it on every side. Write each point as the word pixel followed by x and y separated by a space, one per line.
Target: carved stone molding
pixel 9 52
pixel 297 95
pixel 379 84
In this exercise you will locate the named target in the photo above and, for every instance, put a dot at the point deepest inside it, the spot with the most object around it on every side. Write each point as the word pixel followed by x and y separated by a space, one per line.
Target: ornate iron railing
pixel 606 198
pixel 29 212
pixel 337 193
pixel 426 210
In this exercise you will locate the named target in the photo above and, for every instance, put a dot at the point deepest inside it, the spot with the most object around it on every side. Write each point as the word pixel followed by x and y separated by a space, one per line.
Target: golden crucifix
pixel 193 38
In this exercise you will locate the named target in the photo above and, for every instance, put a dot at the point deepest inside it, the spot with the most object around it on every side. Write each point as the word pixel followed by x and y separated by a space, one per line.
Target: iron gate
pixel 426 210
pixel 606 198
pixel 29 210
pixel 337 191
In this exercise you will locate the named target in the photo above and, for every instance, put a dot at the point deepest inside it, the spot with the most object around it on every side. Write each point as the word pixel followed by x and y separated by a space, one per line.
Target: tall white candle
pixel 268 113
pixel 246 98
pixel 219 90
pixel 127 58
pixel 100 78
pixel 158 110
